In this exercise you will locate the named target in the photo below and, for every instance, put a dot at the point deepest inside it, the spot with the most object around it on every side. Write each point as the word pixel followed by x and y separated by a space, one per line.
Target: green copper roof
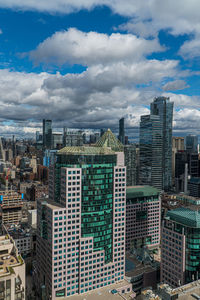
pixel 141 191
pixel 108 139
pixel 185 216
pixel 86 151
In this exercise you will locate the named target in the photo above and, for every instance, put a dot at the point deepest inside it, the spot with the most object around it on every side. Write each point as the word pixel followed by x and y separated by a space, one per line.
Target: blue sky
pixel 85 64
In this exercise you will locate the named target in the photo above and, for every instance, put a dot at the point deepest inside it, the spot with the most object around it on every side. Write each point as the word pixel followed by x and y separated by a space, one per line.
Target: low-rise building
pixel 23 238
pixel 188 291
pixel 143 269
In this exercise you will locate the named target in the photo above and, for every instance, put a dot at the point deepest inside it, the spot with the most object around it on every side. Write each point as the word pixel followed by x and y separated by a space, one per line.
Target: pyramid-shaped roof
pixel 108 139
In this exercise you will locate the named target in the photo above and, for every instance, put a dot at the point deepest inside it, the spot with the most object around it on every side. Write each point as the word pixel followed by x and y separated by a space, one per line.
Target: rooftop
pixel 50 204
pixel 104 293
pixel 9 258
pixel 185 216
pixel 137 265
pixel 185 292
pixel 108 139
pixel 84 150
pixel 141 191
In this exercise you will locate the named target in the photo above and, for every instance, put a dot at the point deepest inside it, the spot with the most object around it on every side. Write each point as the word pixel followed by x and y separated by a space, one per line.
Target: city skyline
pixel 92 80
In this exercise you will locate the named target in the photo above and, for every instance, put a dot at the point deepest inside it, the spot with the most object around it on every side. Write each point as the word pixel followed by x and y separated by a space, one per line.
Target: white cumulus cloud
pixel 76 47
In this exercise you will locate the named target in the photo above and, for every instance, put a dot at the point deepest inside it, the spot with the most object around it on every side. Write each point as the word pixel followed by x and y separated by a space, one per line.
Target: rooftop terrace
pixel 9 258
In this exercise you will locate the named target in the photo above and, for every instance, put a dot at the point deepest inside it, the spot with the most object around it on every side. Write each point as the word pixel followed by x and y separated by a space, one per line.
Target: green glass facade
pixel 97 196
pixel 188 222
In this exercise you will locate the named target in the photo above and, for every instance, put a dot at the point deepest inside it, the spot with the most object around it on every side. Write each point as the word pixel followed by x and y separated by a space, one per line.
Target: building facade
pixel 121 131
pixel 57 140
pixel 72 137
pixel 163 108
pixel 191 143
pixel 130 163
pixel 151 147
pixel 180 247
pixel 47 134
pixel 194 187
pixel 177 145
pixel 11 204
pixel 12 273
pixel 143 217
pixel 81 229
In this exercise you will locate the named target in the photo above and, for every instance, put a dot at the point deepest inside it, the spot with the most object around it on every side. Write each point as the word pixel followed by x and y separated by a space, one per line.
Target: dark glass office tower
pixel 47 134
pixel 163 108
pixel 191 143
pixel 150 170
pixel 130 163
pixel 121 131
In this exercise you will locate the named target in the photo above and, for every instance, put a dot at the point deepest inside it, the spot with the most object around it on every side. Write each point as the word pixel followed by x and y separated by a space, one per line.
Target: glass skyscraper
pixel 163 108
pixel 47 134
pixel 121 131
pixel 150 170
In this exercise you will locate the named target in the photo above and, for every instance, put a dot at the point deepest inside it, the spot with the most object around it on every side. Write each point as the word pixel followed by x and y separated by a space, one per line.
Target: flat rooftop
pixel 185 292
pixel 104 293
pixel 140 191
pixel 51 204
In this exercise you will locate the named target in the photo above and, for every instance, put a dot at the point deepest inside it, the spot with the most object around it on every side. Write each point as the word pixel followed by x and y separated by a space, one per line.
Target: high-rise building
pixel 130 163
pixel 38 137
pixel 47 134
pixel 11 204
pixel 191 143
pixel 14 146
pixel 12 275
pixel 72 137
pixel 194 187
pixel 121 131
pixel 143 217
pixel 2 151
pixel 81 228
pixel 177 145
pixel 49 157
pixel 151 139
pixel 180 247
pixel 57 140
pixel 181 165
pixel 185 162
pixel 102 131
pixel 163 108
pixel 94 137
